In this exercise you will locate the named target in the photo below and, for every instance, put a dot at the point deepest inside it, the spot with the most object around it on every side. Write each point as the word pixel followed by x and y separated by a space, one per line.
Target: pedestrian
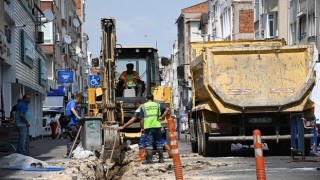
pixel 13 112
pixel 143 141
pixel 23 122
pixel 54 125
pixel 151 118
pixel 73 118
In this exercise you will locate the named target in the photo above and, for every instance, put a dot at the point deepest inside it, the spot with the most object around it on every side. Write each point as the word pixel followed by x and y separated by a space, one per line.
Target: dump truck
pixel 240 86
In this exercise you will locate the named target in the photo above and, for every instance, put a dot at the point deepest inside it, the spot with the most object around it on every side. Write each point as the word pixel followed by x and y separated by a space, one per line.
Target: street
pixel 241 165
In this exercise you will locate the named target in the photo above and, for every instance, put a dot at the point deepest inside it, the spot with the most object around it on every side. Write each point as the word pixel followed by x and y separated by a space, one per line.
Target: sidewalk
pixel 46 149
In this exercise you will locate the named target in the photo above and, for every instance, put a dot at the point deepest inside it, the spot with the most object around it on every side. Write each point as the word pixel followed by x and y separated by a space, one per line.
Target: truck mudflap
pixel 250 138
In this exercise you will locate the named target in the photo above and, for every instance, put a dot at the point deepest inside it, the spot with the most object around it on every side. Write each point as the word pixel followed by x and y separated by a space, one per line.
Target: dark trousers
pixel 74 131
pixel 153 134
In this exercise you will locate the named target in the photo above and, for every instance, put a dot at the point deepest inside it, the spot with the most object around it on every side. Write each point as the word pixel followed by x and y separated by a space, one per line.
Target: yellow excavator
pixel 115 104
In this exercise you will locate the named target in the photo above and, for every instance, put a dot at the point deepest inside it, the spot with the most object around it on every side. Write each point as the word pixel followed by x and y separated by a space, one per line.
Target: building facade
pixel 63 45
pixel 24 69
pixel 188 24
pixel 230 20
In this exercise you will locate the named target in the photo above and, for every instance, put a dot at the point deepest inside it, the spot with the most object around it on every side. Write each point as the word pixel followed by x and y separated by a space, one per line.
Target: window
pixel 48 33
pixel 311 25
pixel 271 26
pixel 302 26
pixel 225 20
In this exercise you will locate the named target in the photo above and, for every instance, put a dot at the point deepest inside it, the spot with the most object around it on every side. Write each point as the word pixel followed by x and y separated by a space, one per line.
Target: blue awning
pixel 57 92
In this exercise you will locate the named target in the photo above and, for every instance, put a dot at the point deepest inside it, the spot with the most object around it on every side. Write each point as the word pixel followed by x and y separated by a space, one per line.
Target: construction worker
pixel 151 117
pixel 143 141
pixel 73 118
pixel 130 79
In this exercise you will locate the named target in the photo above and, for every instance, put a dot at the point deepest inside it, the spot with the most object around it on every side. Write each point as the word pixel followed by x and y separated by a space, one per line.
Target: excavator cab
pixel 146 77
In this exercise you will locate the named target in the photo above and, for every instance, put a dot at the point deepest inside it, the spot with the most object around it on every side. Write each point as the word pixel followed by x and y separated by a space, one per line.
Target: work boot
pixel 168 149
pixel 160 152
pixel 140 157
pixel 148 159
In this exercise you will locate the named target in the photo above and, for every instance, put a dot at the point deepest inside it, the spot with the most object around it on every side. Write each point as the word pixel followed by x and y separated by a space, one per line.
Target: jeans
pixel 23 130
pixel 153 134
pixel 143 141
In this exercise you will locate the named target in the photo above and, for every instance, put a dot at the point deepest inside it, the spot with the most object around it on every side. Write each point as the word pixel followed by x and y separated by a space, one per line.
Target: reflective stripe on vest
pixel 151 112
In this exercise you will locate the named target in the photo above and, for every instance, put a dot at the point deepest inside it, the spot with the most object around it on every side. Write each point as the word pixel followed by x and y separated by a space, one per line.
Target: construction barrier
pixel 174 149
pixel 261 175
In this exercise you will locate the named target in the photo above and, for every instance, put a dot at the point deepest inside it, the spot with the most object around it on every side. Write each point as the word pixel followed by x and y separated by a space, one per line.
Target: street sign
pixel 93 80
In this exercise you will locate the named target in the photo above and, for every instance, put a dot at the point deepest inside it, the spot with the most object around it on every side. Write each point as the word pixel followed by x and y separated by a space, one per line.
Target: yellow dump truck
pixel 241 86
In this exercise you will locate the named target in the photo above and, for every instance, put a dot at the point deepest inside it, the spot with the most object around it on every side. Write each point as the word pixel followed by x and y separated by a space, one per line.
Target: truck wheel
pixel 193 134
pixel 284 148
pixel 224 148
pixel 209 148
pixel 307 146
pixel 194 147
pixel 199 136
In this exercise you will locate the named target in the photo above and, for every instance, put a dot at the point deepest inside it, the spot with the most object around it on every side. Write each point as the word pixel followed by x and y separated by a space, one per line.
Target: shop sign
pixel 43 72
pixel 27 49
pixel 65 76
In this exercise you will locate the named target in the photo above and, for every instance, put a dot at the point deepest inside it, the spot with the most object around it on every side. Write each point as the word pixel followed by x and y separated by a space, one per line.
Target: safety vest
pixel 130 80
pixel 151 112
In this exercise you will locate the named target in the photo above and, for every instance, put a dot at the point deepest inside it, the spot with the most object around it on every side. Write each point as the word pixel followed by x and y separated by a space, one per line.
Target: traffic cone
pixel 261 175
pixel 168 149
pixel 175 152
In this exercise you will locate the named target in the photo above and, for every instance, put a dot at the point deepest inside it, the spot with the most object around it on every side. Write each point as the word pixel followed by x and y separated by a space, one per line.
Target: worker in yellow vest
pixel 151 119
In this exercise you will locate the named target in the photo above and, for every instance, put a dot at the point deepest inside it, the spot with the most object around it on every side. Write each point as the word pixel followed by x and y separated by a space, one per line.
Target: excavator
pixel 116 105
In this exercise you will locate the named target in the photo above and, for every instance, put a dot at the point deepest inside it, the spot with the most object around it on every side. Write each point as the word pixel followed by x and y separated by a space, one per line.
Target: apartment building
pixel 23 63
pixel 188 24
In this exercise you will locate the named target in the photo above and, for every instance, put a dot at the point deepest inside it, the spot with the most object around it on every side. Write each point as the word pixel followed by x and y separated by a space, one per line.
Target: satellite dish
pixel 67 39
pixel 76 22
pixel 48 14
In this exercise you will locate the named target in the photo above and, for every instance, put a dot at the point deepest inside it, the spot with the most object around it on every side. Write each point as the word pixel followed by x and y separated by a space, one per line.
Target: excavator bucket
pixel 112 141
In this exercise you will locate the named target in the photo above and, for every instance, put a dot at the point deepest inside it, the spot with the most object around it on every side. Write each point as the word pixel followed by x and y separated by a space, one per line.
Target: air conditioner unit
pixel 57 37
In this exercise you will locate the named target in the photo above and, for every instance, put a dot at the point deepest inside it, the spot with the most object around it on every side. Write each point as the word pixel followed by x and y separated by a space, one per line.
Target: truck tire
pixel 284 148
pixel 307 146
pixel 194 147
pixel 199 136
pixel 209 148
pixel 193 134
pixel 224 148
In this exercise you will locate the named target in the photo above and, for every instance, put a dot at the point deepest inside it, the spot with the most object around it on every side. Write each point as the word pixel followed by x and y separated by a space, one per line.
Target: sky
pixel 138 22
